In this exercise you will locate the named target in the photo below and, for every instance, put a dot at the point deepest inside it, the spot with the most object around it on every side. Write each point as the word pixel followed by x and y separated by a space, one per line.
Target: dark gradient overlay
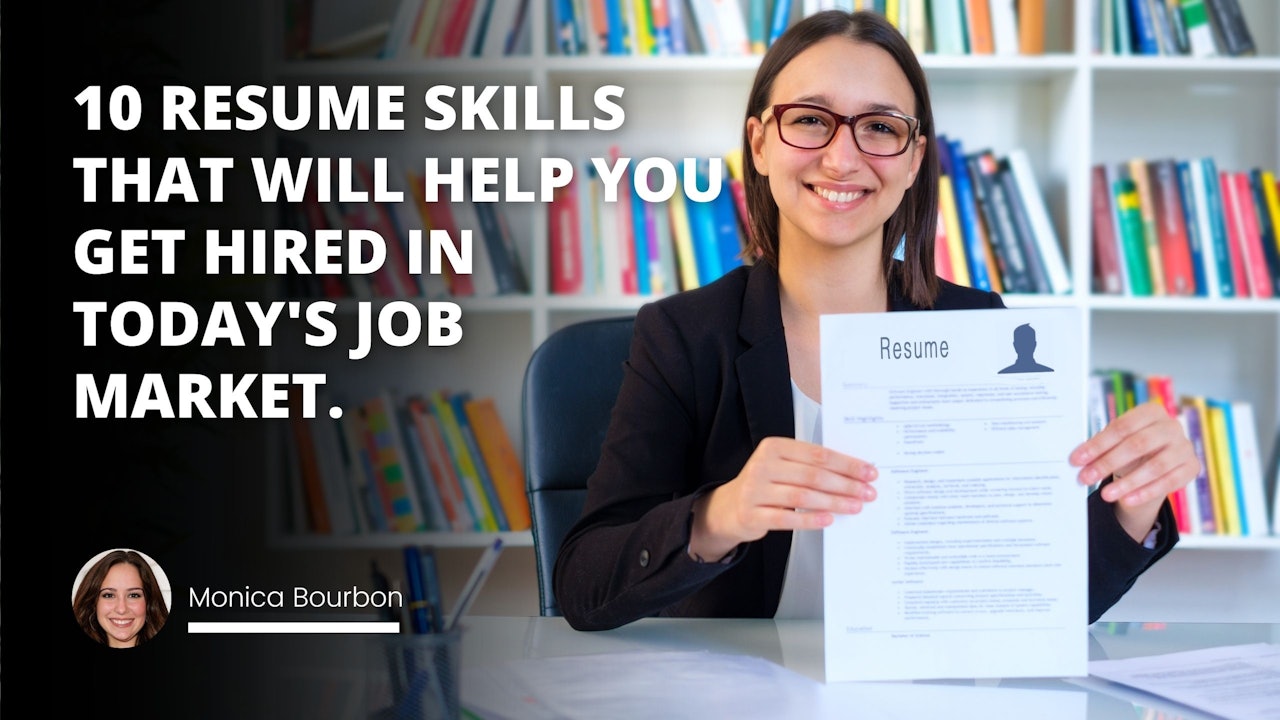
pixel 189 493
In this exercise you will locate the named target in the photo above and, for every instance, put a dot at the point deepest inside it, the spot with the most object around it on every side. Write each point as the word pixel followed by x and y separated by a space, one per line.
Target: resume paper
pixel 972 560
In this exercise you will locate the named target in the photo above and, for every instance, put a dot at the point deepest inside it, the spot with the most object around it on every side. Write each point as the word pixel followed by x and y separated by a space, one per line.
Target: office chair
pixel 570 385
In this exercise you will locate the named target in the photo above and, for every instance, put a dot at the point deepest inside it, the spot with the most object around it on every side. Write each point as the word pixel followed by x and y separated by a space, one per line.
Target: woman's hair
pixel 86 602
pixel 917 217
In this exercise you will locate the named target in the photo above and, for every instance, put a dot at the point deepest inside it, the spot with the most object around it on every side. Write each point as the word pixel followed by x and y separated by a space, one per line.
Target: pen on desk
pixel 472 588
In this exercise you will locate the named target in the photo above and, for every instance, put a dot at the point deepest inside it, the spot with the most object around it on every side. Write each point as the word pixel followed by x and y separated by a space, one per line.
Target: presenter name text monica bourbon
pixel 297 597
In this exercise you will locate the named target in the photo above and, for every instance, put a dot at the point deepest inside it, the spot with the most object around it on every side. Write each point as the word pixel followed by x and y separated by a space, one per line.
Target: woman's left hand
pixel 1148 456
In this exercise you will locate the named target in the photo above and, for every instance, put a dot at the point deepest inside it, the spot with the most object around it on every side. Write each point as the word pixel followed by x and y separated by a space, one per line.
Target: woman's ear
pixel 755 136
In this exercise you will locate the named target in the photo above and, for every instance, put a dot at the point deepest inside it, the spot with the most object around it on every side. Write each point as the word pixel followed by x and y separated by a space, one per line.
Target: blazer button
pixel 644 558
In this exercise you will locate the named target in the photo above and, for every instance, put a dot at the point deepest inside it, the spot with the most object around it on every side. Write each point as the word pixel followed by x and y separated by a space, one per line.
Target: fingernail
pixel 1089 476
pixel 868 493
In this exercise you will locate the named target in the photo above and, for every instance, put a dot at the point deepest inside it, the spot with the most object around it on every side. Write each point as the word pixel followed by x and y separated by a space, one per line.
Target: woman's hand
pixel 1147 454
pixel 782 476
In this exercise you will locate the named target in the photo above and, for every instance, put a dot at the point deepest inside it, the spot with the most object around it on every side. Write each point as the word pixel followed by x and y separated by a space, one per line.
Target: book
pixel 360 470
pixel 565 28
pixel 500 457
pixel 565 240
pixel 1230 27
pixel 448 486
pixel 947 18
pixel 1195 16
pixel 1004 26
pixel 967 211
pixel 780 19
pixel 977 25
pixel 996 218
pixel 438 214
pixel 500 245
pixel 1217 228
pixel 1257 266
pixel 483 275
pixel 433 512
pixel 1224 477
pixel 343 508
pixel 379 219
pixel 1132 236
pixel 1031 27
pixel 458 401
pixel 682 237
pixel 1248 461
pixel 1142 26
pixel 1171 228
pixel 951 222
pixel 1109 275
pixel 1045 237
pixel 1150 227
pixel 384 439
pixel 463 463
pixel 589 231
pixel 642 236
pixel 1202 265
pixel 1268 226
pixel 308 463
pixel 1178 23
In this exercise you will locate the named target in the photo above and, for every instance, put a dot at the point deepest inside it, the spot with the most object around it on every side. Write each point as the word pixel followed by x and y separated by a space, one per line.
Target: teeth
pixel 840 197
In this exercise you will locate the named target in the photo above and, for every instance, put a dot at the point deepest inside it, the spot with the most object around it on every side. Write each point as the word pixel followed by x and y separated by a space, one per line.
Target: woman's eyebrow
pixel 826 102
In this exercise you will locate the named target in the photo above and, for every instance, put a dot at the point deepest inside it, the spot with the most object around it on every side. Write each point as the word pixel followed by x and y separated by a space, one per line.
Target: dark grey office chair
pixel 570 386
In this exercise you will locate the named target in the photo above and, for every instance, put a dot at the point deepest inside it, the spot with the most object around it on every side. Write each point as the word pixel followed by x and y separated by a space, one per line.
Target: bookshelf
pixel 1068 109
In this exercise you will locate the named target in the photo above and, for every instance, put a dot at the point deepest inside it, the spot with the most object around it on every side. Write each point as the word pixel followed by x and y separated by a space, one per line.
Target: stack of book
pixel 730 27
pixel 405 29
pixel 422 462
pixel 1185 227
pixel 497 268
pixel 636 247
pixel 1228 497
pixel 1196 28
pixel 994 230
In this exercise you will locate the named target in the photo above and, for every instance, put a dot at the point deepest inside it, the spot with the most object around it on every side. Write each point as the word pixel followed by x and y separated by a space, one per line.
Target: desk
pixel 321 677
pixel 797 646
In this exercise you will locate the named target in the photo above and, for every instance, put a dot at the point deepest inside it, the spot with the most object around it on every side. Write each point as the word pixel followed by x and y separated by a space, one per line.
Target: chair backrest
pixel 570 386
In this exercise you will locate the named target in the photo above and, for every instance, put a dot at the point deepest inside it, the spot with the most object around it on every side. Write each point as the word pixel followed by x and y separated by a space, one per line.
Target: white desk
pixel 797 646
pixel 323 676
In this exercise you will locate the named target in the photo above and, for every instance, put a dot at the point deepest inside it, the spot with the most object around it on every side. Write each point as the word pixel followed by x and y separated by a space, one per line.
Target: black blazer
pixel 706 381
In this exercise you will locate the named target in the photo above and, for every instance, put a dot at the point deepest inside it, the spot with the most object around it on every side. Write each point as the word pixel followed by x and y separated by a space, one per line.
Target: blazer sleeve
pixel 626 557
pixel 1116 559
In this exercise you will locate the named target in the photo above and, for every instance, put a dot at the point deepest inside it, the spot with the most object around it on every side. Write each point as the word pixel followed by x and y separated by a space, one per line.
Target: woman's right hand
pixel 785 485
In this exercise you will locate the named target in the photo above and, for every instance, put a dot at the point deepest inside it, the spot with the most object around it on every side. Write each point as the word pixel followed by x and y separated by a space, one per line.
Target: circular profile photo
pixel 121 598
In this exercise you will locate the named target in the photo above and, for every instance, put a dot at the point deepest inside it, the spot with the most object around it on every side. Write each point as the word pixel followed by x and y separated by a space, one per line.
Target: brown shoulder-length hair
pixel 916 218
pixel 86 602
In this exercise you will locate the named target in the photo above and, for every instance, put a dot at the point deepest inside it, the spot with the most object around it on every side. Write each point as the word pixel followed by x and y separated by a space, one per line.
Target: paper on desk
pixel 1238 682
pixel 971 562
pixel 646 685
pixel 640 685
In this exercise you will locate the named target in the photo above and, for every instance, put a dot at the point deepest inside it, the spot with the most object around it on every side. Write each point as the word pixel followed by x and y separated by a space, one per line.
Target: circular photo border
pixel 162 579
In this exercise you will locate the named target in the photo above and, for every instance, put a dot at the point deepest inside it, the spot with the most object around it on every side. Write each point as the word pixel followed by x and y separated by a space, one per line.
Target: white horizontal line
pixel 294 628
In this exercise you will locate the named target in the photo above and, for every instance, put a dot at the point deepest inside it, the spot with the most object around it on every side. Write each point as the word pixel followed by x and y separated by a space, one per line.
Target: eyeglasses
pixel 810 127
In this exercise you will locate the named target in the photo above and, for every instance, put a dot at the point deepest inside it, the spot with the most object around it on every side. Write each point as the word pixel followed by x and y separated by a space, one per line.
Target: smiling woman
pixel 121 598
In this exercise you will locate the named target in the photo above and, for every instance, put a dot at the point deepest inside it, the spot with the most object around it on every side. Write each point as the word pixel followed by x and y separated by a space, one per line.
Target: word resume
pixel 972 560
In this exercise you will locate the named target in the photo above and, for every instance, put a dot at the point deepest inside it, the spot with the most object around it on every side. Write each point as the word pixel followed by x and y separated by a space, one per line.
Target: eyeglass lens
pixel 810 128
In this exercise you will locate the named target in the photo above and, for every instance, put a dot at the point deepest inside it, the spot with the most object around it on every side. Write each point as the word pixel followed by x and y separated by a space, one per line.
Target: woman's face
pixel 836 196
pixel 122 606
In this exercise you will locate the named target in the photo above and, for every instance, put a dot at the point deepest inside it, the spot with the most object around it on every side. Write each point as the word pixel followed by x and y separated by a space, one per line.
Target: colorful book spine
pixel 468 478
pixel 458 401
pixel 967 210
pixel 499 454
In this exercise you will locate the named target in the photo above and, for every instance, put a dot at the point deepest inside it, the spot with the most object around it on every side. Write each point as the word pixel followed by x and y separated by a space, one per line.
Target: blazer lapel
pixel 764 379
pixel 764 375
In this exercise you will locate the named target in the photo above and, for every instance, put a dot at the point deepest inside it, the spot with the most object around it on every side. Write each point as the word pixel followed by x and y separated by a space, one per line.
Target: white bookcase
pixel 1068 109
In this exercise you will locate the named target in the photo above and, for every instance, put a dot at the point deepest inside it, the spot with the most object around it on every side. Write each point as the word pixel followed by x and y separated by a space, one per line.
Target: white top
pixel 802 585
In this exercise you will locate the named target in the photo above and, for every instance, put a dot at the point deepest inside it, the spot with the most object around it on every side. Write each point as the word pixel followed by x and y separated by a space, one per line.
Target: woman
pixel 692 509
pixel 119 602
